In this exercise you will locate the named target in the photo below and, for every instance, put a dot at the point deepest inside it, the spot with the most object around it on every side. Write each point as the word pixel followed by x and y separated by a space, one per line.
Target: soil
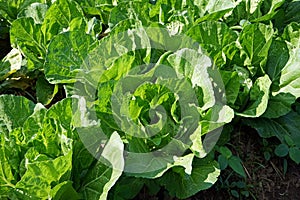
pixel 266 179
pixel 4 47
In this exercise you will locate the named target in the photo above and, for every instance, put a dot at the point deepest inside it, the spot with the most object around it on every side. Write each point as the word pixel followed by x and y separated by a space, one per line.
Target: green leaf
pixel 255 41
pixel 277 58
pixel 67 55
pixel 101 8
pixel 213 10
pixel 14 112
pixel 223 162
pixel 214 37
pixel 39 176
pixel 291 12
pixel 10 63
pixel 6 170
pixel 27 36
pixel 106 172
pixel 235 193
pixel 198 69
pixel 177 16
pixel 295 154
pixel 45 91
pixel 279 105
pixel 94 27
pixel 204 175
pixel 232 85
pixel 10 9
pixel 59 18
pixel 235 163
pixel 259 95
pixel 64 190
pixel 225 152
pixel 289 80
pixel 37 11
pixel 268 11
pixel 282 127
pixel 123 190
pixel 101 58
pixel 282 150
pixel 130 10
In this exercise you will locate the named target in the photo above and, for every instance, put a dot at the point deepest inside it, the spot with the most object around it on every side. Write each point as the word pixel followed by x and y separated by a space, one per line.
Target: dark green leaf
pixel 295 154
pixel 235 163
pixel 282 150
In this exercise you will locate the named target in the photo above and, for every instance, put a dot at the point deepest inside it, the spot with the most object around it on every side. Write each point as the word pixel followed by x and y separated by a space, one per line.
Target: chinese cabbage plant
pixel 132 94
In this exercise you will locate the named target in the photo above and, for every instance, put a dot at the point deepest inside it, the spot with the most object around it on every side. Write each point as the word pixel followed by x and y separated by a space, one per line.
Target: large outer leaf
pixel 279 105
pixel 59 18
pixel 27 35
pixel 278 57
pixel 287 125
pixel 67 55
pixel 285 128
pixel 44 140
pixel 182 185
pixel 255 41
pixel 14 111
pixel 10 9
pixel 292 12
pixel 213 9
pixel 214 37
pixel 37 11
pixel 278 64
pixel 106 172
pixel 39 176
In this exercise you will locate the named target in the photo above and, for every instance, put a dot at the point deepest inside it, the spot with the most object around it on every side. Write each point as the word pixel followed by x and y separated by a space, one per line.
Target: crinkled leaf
pixel 255 41
pixel 37 11
pixel 59 18
pixel 204 174
pixel 37 180
pixel 66 56
pixel 106 172
pixel 10 9
pixel 27 36
pixel 14 112
pixel 214 37
pixel 213 10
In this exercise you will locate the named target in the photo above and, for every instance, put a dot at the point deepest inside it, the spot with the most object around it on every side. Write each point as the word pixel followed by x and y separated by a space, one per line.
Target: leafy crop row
pixel 147 87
